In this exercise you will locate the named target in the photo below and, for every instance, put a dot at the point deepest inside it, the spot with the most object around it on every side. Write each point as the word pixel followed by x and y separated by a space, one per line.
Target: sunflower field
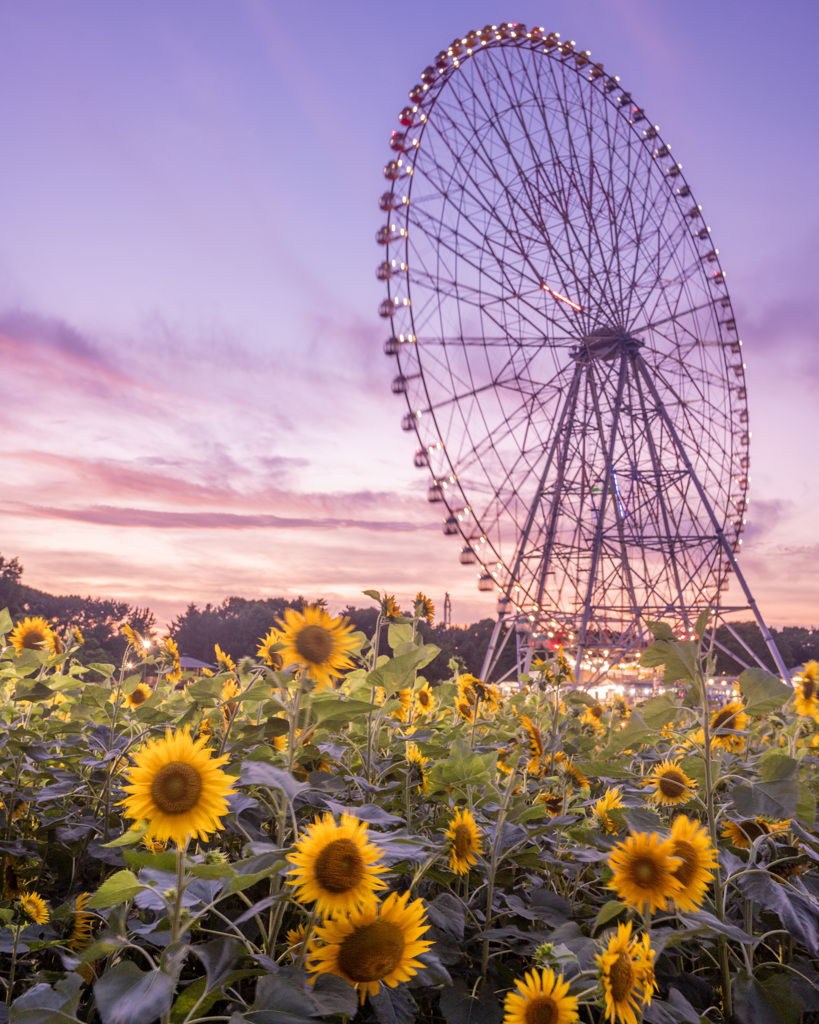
pixel 314 833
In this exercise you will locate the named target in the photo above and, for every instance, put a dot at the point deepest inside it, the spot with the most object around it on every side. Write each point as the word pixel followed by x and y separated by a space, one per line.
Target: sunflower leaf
pixel 127 995
pixel 763 691
pixel 121 886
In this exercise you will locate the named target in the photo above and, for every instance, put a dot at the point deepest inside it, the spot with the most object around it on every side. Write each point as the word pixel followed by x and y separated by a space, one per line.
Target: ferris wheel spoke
pixel 521 209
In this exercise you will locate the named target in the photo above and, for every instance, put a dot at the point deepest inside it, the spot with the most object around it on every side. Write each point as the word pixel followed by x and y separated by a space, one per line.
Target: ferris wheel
pixel 566 346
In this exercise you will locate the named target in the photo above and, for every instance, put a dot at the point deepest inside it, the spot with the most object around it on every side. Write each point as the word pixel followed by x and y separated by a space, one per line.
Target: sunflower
pixel 336 865
pixel 33 906
pixel 644 867
pixel 78 635
pixel 564 666
pixel 671 784
pixel 133 638
pixel 743 833
pixel 178 786
pixel 230 689
pixel 273 658
pixel 138 695
pixel 692 845
pixel 610 801
pixel 575 777
pixel 466 710
pixel 725 723
pixel 620 709
pixel 466 842
pixel 424 608
pixel 536 747
pixel 82 925
pixel 417 763
pixel 626 972
pixel 466 688
pixel 553 802
pixel 319 642
pixel 154 845
pixel 373 944
pixel 592 720
pixel 424 700
pixel 541 998
pixel 295 941
pixel 169 655
pixel 32 634
pixel 390 609
pixel 12 883
pixel 404 710
pixel 224 661
pixel 805 690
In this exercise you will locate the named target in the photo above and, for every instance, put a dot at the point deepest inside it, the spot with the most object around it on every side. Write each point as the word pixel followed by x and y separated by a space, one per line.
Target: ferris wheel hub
pixel 605 343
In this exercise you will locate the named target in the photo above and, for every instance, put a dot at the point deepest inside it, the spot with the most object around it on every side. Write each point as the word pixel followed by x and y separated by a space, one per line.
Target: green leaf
pixel 464 768
pixel 702 622
pixel 763 691
pixel 770 1002
pixel 204 690
pixel 677 659
pixel 6 625
pixel 608 912
pixel 43 1004
pixel 328 707
pixel 211 870
pixel 103 668
pixel 32 691
pixel 397 673
pixel 95 696
pixel 806 805
pixel 767 799
pixel 121 886
pixel 127 995
pixel 602 770
pixel 661 631
pixel 132 836
pixel 635 734
pixel 374 594
pixel 659 711
pixel 399 633
pixel 259 773
pixel 775 766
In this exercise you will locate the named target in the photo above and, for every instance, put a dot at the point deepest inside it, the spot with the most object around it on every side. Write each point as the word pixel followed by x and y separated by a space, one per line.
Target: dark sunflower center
pixel 314 644
pixel 688 856
pixel 34 639
pixel 597 711
pixel 176 787
pixel 672 784
pixel 621 976
pixel 725 719
pixel 808 687
pixel 753 829
pixel 462 841
pixel 541 1010
pixel 423 698
pixel 139 696
pixel 645 872
pixel 371 952
pixel 339 866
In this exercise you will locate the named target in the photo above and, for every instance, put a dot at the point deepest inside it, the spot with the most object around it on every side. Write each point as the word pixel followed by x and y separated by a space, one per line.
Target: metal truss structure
pixel 567 348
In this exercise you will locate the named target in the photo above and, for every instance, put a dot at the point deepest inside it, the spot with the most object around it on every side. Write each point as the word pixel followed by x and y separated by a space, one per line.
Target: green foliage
pixel 182 936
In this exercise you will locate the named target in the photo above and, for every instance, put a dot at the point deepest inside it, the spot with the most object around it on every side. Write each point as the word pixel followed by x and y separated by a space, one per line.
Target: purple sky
pixel 193 398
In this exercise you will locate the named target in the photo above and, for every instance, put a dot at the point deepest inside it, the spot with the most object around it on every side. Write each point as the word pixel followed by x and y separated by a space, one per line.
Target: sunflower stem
pixel 493 865
pixel 17 931
pixel 719 893
pixel 308 933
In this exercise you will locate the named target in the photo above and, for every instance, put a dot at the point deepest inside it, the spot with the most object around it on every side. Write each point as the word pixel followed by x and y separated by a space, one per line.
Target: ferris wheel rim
pixel 434 89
